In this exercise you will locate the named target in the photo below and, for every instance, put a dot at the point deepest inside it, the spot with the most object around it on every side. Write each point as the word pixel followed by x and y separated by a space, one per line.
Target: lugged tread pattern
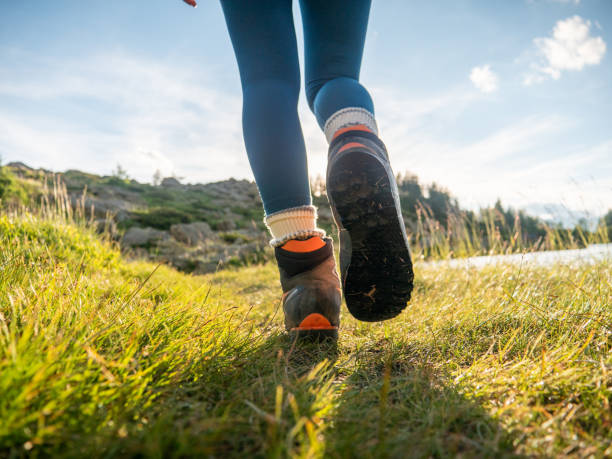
pixel 379 279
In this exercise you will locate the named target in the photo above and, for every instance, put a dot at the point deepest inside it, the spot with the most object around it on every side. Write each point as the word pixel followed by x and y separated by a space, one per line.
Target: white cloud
pixel 398 117
pixel 571 47
pixel 148 115
pixel 484 78
pixel 521 162
pixel 143 114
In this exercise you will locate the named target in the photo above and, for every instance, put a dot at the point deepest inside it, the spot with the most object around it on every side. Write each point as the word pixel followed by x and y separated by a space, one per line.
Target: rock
pixel 170 182
pixel 135 236
pixel 226 225
pixel 250 250
pixel 199 260
pixel 192 233
pixel 118 207
pixel 232 193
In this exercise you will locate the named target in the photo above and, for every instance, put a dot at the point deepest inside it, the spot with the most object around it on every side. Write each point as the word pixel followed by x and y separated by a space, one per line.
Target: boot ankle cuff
pixel 294 263
pixel 294 223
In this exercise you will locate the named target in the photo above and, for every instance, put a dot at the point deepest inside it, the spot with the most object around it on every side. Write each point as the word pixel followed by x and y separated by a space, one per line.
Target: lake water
pixel 591 254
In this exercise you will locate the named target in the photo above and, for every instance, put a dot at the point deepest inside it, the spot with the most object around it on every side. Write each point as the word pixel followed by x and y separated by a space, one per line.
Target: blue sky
pixel 487 98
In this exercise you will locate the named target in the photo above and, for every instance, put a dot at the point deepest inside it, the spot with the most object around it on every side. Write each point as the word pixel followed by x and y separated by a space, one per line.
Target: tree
pixel 607 219
pixel 120 173
pixel 411 195
pixel 440 202
pixel 157 178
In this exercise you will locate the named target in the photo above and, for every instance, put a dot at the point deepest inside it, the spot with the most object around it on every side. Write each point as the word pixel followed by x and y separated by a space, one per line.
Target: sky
pixel 489 99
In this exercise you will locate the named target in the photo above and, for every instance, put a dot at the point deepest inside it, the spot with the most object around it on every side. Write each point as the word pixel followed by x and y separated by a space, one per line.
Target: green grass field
pixel 104 358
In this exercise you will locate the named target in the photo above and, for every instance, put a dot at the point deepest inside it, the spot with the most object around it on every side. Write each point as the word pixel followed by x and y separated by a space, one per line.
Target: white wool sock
pixel 347 117
pixel 296 222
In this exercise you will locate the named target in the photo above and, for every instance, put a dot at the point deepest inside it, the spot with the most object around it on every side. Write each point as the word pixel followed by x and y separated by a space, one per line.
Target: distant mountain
pixel 554 213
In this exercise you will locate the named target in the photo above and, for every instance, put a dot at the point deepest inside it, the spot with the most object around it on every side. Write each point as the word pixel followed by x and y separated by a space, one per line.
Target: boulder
pixel 192 233
pixel 102 207
pixel 135 236
pixel 225 225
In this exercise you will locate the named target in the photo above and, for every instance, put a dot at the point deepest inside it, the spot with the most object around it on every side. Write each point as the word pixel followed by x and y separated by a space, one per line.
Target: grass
pixel 104 358
pixel 495 231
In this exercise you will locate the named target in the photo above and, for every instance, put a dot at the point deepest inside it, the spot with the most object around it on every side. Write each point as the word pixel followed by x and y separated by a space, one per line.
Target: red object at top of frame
pixel 191 2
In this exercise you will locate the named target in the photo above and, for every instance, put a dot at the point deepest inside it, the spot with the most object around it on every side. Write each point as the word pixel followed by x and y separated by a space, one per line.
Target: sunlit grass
pixel 102 357
pixel 99 356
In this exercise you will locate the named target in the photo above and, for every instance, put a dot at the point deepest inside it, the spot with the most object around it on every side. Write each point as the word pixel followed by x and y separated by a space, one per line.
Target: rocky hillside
pixel 194 227
pixel 203 227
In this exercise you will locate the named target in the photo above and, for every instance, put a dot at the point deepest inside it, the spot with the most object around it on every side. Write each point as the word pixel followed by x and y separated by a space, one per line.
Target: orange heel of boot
pixel 315 326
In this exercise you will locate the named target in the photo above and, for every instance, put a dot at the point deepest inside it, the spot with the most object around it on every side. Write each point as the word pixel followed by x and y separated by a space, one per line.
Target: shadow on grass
pixel 272 397
pixel 396 404
pixel 388 401
pixel 230 408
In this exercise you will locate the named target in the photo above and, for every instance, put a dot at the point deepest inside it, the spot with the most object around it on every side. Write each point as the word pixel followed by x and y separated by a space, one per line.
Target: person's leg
pixel 334 36
pixel 263 37
pixel 374 256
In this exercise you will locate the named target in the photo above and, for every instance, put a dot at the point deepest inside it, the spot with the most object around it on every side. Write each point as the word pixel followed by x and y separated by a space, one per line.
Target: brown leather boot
pixel 311 290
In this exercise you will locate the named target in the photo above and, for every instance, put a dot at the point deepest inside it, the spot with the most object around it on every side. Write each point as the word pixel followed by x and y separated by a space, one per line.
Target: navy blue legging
pixel 263 37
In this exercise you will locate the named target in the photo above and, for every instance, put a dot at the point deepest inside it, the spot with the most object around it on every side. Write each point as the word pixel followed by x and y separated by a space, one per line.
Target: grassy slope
pixel 102 357
pixel 155 206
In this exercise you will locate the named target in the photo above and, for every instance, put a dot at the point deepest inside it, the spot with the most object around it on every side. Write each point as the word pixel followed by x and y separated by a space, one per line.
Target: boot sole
pixel 379 278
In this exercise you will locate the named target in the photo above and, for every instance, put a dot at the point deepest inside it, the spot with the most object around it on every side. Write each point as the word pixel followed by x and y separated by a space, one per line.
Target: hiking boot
pixel 311 290
pixel 375 264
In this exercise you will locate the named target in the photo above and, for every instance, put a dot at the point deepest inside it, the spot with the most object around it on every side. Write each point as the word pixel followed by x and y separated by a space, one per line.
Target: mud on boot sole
pixel 379 278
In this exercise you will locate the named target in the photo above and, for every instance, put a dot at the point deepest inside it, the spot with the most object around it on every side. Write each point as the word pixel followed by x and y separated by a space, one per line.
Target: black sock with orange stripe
pixel 297 256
